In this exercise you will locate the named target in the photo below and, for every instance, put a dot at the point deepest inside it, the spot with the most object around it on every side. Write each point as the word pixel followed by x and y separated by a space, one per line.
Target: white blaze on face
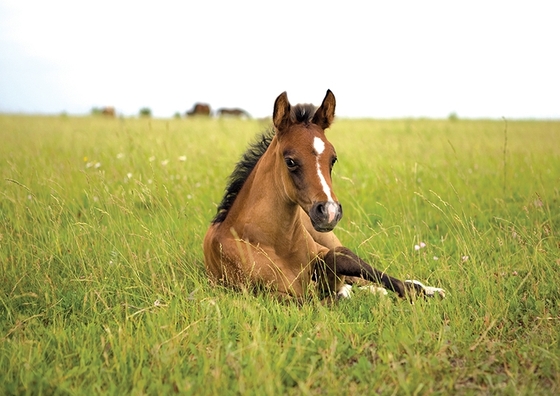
pixel 319 147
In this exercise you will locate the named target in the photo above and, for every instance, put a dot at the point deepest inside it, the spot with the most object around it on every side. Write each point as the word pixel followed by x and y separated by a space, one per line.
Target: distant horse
pixel 273 228
pixel 235 112
pixel 108 111
pixel 199 109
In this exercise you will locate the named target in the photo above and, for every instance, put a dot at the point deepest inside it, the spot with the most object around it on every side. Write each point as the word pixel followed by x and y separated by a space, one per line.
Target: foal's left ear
pixel 324 116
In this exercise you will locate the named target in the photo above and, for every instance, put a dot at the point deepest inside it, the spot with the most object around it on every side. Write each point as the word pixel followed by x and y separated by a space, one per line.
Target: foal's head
pixel 307 158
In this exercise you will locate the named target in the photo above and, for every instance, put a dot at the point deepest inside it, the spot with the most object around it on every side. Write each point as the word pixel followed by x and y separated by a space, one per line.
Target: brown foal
pixel 274 225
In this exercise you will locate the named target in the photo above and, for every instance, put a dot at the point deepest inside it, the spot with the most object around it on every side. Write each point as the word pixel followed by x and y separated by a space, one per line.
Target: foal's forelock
pixel 303 113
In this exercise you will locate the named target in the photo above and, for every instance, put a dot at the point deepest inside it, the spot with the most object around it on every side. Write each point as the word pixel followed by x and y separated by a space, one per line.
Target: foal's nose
pixel 325 215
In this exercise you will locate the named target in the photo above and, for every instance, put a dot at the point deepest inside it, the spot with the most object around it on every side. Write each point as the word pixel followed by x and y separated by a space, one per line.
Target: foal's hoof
pixel 427 291
pixel 345 291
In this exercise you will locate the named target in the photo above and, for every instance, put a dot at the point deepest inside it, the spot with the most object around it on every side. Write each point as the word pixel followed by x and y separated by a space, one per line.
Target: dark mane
pixel 241 172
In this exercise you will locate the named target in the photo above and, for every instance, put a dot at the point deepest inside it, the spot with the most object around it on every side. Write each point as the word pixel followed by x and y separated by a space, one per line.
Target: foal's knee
pixel 342 261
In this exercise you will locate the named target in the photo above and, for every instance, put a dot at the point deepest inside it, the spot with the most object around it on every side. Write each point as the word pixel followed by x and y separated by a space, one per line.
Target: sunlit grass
pixel 103 288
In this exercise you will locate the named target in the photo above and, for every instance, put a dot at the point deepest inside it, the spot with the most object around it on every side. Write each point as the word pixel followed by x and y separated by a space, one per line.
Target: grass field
pixel 103 288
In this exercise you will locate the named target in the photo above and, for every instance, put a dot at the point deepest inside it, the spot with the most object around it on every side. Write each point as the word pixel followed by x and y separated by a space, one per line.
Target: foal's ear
pixel 324 116
pixel 281 114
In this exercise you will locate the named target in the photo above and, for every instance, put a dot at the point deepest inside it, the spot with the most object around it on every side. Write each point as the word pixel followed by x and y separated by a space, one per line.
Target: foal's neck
pixel 266 203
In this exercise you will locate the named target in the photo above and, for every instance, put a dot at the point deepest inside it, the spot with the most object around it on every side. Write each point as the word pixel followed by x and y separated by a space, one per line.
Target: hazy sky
pixel 380 58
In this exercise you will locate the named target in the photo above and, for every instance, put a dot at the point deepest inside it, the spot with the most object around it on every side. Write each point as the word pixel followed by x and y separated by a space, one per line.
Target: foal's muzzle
pixel 325 215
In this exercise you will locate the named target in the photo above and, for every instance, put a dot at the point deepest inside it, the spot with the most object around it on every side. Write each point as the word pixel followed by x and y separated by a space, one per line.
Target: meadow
pixel 103 288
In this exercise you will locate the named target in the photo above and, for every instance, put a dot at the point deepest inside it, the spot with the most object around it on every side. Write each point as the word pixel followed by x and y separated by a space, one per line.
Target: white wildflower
pixel 420 246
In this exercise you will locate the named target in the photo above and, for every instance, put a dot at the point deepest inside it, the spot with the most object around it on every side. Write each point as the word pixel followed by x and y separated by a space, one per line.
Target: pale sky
pixel 382 59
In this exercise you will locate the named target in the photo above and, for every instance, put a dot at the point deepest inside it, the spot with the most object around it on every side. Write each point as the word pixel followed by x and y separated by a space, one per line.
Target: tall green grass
pixel 103 288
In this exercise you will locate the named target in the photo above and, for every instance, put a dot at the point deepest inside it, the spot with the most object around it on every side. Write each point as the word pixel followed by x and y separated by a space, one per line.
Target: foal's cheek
pixel 298 182
pixel 298 190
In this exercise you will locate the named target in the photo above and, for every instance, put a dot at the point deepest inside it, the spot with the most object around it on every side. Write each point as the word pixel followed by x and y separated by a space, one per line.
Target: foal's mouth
pixel 324 228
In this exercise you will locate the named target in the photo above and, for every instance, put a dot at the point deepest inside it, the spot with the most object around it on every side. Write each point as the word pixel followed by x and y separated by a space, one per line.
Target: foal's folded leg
pixel 342 261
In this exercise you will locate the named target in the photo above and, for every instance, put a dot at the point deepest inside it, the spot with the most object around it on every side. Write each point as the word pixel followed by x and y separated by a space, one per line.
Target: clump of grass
pixel 103 288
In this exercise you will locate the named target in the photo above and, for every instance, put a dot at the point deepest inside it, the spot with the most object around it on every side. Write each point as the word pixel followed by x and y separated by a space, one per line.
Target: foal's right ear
pixel 281 114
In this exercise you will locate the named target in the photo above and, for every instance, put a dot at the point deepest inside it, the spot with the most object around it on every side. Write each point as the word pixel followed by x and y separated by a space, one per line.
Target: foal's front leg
pixel 341 261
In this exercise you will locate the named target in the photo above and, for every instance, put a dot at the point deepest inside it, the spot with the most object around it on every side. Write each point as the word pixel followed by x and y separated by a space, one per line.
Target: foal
pixel 274 225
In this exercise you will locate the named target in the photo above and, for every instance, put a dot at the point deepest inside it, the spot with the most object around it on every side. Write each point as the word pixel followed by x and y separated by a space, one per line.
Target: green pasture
pixel 103 288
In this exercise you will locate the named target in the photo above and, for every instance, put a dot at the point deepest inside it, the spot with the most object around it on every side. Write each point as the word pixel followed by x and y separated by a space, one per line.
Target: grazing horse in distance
pixel 273 228
pixel 235 112
pixel 199 109
pixel 108 111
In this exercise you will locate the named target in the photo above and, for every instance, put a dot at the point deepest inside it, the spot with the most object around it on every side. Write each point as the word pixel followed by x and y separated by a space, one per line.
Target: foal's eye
pixel 333 161
pixel 291 164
